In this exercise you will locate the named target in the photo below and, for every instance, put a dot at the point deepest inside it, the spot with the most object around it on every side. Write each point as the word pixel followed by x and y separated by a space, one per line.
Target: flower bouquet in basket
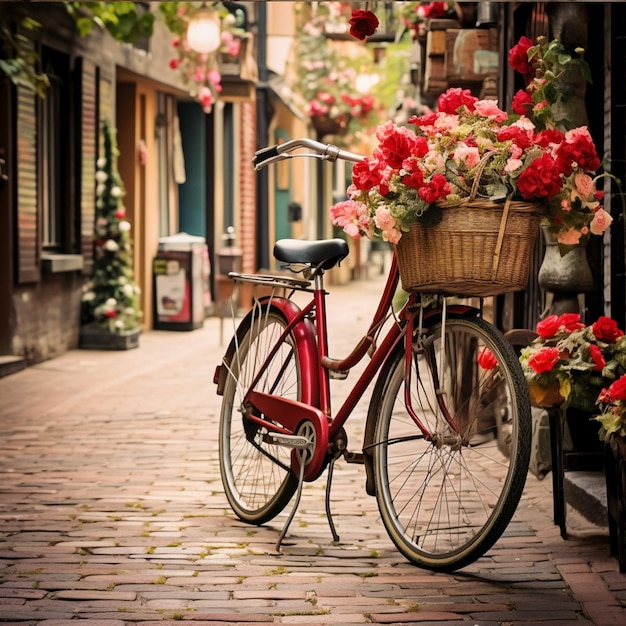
pixel 570 364
pixel 461 193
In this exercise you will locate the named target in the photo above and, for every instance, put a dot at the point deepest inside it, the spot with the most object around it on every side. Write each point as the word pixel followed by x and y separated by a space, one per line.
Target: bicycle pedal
pixel 289 441
pixel 342 375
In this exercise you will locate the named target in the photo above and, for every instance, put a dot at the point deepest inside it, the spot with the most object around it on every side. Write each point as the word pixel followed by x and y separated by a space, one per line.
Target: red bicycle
pixel 447 438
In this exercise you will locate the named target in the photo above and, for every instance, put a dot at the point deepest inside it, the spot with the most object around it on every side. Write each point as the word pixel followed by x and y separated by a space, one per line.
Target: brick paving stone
pixel 112 511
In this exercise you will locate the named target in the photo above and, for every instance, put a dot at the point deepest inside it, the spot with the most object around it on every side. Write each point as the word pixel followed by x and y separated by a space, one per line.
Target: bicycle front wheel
pixel 256 473
pixel 446 501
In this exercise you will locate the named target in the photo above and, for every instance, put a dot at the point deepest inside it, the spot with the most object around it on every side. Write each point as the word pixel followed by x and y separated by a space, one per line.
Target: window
pixel 55 156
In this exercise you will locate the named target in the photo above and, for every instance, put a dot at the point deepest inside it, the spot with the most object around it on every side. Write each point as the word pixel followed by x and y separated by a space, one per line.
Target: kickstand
pixel 295 504
pixel 328 513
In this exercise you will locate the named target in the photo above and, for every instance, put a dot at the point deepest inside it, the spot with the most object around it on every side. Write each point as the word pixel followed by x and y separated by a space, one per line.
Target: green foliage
pixel 121 19
pixel 19 59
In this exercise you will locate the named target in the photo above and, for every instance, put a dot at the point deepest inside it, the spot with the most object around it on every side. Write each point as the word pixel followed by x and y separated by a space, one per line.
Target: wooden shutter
pixel 28 219
pixel 87 149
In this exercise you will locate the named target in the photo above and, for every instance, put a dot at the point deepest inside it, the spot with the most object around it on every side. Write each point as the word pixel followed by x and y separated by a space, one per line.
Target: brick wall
pixel 247 182
pixel 47 317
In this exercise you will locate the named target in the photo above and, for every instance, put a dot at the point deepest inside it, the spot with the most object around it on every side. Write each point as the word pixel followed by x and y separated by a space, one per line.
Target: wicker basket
pixel 479 248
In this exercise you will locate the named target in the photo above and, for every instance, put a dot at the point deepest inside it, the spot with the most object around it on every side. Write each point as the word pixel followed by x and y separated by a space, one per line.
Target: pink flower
pixel 584 184
pixel 352 217
pixel 489 108
pixel 384 220
pixel 468 155
pixel 600 222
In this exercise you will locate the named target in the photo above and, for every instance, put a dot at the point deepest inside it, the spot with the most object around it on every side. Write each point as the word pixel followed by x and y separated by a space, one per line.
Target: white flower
pixel 128 290
pixel 99 190
pixel 119 324
pixel 124 225
pixel 101 176
pixel 89 296
pixel 116 192
pixel 110 303
pixel 101 162
pixel 122 280
pixel 129 311
pixel 111 245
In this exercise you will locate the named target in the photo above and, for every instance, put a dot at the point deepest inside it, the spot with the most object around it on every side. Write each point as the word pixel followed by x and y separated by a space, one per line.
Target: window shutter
pixel 28 225
pixel 87 149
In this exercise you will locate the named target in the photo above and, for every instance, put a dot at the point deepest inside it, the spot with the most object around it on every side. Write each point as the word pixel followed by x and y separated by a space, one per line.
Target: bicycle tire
pixel 256 475
pixel 445 505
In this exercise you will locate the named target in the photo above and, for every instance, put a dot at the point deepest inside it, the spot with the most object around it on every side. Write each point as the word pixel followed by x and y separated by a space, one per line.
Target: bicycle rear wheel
pixel 256 473
pixel 445 502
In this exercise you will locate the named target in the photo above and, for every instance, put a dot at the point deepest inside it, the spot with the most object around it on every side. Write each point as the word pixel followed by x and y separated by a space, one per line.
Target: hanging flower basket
pixel 479 248
pixel 325 125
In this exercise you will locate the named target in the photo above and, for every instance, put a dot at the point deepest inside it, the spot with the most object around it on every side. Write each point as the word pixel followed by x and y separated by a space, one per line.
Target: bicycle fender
pixel 306 346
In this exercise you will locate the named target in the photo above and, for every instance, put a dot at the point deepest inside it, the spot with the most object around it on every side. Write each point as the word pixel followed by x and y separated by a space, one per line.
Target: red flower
pixel 577 148
pixel 437 187
pixel 605 329
pixel 366 174
pixel 363 23
pixel 423 120
pixel 544 360
pixel 545 137
pixel 110 313
pixel 521 137
pixel 597 357
pixel 522 102
pixel 396 147
pixel 548 327
pixel 454 98
pixel 415 178
pixel 571 322
pixel 487 359
pixel 617 390
pixel 174 64
pixel 518 58
pixel 541 179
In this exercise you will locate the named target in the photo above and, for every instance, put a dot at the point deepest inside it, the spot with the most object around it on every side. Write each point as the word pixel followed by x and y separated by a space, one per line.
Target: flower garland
pixel 200 71
pixel 111 299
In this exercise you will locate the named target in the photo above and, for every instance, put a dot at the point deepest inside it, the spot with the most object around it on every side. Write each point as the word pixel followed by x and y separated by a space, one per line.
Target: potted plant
pixel 111 299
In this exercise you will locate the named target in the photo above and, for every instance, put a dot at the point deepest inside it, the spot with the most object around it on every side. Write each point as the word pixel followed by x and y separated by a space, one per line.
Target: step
pixel 9 364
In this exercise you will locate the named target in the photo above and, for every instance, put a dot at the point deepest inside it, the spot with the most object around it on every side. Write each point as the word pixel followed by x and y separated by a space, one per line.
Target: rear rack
pixel 268 280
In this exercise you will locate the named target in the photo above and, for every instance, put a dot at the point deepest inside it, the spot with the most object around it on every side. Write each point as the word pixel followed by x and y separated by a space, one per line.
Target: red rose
pixel 518 58
pixel 571 322
pixel 454 98
pixel 597 357
pixel 522 102
pixel 617 390
pixel 110 313
pixel 548 327
pixel 521 137
pixel 366 174
pixel 605 329
pixel 577 148
pixel 541 179
pixel 487 359
pixel 437 187
pixel 363 23
pixel 545 137
pixel 544 360
pixel 396 147
pixel 174 64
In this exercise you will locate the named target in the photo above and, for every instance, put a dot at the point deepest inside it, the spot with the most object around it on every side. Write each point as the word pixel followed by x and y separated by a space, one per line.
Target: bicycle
pixel 447 441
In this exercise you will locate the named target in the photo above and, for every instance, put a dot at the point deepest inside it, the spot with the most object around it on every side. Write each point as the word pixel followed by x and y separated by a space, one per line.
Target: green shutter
pixel 28 219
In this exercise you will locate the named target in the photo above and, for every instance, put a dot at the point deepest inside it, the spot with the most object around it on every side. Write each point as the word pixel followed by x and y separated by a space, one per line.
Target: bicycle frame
pixel 312 343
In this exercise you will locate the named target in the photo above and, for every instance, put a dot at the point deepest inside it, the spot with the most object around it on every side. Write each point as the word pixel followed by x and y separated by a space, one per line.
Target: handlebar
pixel 323 151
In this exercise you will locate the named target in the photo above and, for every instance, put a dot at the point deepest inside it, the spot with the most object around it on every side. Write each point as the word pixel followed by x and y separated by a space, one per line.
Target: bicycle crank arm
pixel 291 414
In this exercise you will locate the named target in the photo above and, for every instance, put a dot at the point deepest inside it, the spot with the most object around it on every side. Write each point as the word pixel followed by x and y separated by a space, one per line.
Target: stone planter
pixel 94 337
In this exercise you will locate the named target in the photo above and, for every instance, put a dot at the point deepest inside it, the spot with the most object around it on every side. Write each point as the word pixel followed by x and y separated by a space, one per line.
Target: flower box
pixel 94 337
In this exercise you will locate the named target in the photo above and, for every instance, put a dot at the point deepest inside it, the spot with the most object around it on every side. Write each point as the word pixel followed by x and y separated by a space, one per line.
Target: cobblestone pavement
pixel 112 511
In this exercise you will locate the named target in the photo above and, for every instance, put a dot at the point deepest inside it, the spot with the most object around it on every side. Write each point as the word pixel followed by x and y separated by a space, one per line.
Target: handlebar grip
pixel 264 154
